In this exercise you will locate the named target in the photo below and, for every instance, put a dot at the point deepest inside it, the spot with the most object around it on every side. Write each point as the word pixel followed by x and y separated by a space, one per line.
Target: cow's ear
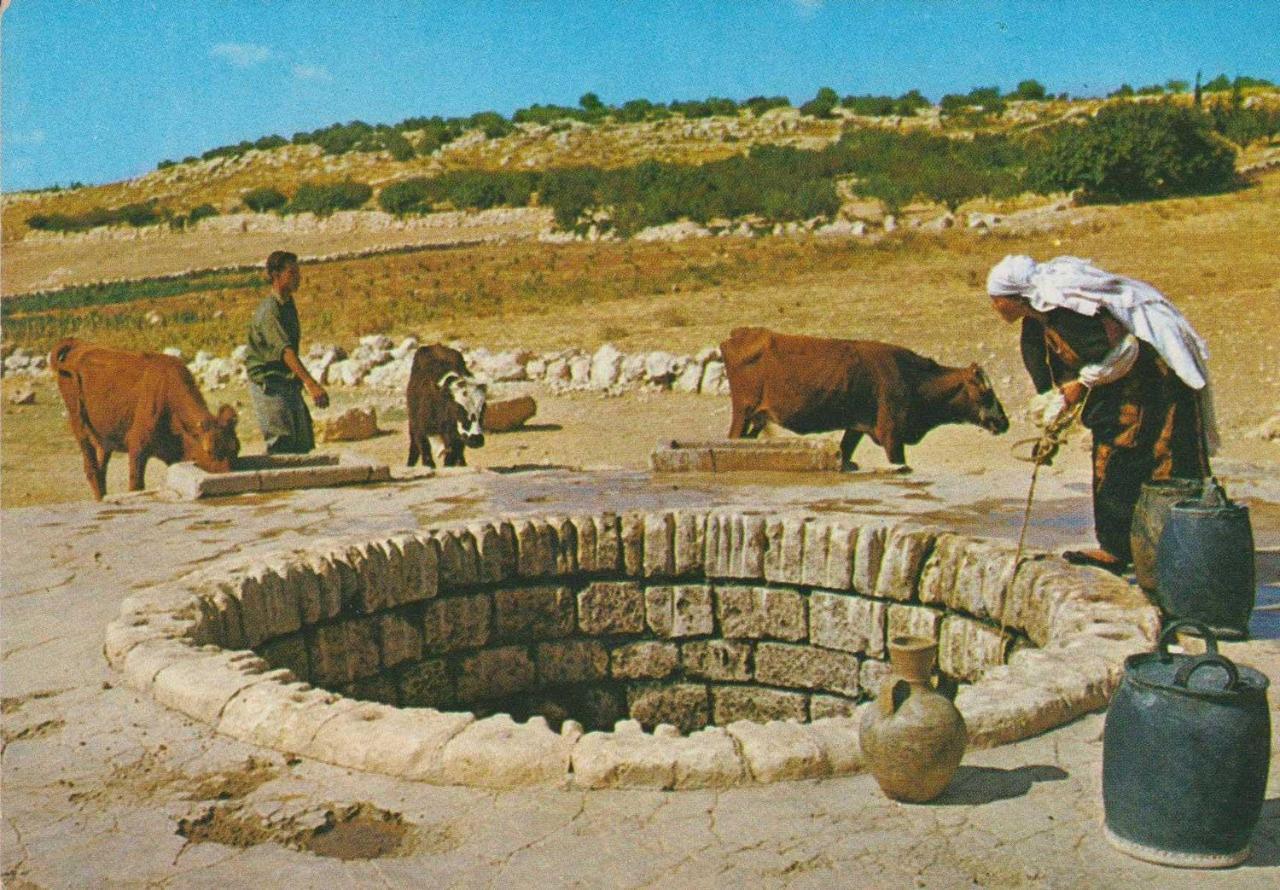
pixel 208 425
pixel 227 415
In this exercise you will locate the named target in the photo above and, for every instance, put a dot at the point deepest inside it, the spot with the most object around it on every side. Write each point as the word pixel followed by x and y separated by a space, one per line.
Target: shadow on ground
pixel 975 785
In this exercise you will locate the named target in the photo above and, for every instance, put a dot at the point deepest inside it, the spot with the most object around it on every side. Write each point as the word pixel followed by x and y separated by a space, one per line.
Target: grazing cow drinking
pixel 142 403
pixel 811 384
pixel 443 400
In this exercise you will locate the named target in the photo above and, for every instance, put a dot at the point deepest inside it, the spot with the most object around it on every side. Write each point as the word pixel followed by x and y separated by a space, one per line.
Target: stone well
pixel 676 649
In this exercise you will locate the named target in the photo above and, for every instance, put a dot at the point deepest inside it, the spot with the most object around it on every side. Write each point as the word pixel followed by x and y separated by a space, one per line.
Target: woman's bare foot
pixel 1099 558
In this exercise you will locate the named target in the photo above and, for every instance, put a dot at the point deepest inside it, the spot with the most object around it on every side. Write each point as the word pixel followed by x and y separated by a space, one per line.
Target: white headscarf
pixel 1069 282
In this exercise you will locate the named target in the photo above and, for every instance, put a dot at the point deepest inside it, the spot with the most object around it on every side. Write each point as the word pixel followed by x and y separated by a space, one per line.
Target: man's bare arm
pixel 317 392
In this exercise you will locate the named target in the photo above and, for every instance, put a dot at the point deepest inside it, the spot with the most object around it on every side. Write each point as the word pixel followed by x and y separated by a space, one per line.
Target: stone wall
pixel 721 632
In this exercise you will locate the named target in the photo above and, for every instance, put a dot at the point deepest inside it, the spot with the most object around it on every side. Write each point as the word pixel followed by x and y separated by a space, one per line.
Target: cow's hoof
pixel 902 469
pixel 849 467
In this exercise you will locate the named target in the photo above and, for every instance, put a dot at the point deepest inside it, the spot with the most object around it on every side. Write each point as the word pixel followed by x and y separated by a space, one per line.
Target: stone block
pixel 735 545
pixel 459 559
pixel 683 705
pixel 536 555
pixel 571 661
pixel 586 532
pixel 632 536
pixel 905 550
pixel 646 660
pixel 290 653
pixel 418 558
pixel 837 736
pixel 323 599
pixel 847 622
pixel 451 623
pixel 371 571
pixel 399 637
pixel 784 555
pixel 268 606
pixel 806 667
pixel 998 712
pixel 534 613
pixel 624 760
pixel 426 684
pixel 495 550
pixel 717 659
pixel 279 715
pixel 914 621
pixel 378 688
pixel 343 652
pixel 659 545
pixel 826 706
pixel 690 542
pixel 707 759
pixel 607 607
pixel 778 751
pixel 497 752
pixel 966 647
pixel 761 613
pixel 221 614
pixel 871 676
pixel 730 703
pixel 1081 681
pixel 968 574
pixel 494 673
pixel 201 687
pixel 1034 592
pixel 837 542
pixel 680 611
pixel 868 557
pixel 379 738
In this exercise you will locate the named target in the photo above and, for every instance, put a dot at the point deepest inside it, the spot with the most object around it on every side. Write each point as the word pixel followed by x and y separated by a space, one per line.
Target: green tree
pixel 1133 151
pixel 264 198
pixel 1029 90
pixel 822 104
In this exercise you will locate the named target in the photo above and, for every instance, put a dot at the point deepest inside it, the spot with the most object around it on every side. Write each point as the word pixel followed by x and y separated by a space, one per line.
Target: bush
pixel 822 104
pixel 264 199
pixel 1030 91
pixel 323 198
pixel 1133 151
pixel 201 211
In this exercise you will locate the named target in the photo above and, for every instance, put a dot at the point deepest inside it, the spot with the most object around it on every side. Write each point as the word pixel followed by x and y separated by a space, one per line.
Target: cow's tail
pixel 59 358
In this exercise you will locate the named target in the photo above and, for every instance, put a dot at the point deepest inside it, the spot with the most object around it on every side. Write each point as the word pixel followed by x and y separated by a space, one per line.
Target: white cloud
pixel 312 72
pixel 242 55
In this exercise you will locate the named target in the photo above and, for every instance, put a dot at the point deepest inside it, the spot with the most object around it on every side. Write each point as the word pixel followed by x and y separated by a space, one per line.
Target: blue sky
pixel 101 91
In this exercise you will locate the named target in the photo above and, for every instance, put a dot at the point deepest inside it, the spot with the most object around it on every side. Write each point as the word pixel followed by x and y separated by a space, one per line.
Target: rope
pixel 1044 449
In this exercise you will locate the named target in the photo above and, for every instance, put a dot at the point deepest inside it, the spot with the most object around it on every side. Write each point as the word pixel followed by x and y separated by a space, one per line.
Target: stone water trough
pixel 274 472
pixel 788 455
pixel 668 649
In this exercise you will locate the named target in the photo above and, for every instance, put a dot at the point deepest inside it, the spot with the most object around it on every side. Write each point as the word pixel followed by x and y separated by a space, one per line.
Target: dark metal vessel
pixel 1204 563
pixel 1185 756
pixel 1149 517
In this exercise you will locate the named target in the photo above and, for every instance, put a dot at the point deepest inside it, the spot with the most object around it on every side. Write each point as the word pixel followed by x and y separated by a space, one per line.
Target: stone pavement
pixel 104 787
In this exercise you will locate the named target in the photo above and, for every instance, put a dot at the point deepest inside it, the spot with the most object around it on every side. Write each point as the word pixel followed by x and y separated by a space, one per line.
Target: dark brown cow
pixel 142 403
pixel 811 385
pixel 443 400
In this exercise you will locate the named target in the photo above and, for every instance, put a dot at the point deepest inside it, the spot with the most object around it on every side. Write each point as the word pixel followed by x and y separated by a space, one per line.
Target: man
pixel 276 375
pixel 1122 348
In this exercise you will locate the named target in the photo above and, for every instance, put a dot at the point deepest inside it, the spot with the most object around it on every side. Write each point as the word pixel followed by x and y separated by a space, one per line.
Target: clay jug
pixel 912 736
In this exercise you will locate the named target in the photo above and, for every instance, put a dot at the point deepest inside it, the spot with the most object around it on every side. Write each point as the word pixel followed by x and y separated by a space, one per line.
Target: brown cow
pixel 444 400
pixel 811 385
pixel 141 402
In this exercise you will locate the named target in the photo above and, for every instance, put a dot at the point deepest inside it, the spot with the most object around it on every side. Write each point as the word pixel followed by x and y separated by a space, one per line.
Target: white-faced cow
pixel 811 384
pixel 144 403
pixel 444 400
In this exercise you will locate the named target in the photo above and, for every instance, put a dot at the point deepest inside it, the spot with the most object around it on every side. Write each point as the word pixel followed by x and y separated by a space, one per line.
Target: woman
pixel 1120 346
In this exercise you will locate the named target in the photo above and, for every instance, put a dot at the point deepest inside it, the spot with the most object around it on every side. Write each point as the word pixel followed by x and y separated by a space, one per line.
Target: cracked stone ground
pixel 98 780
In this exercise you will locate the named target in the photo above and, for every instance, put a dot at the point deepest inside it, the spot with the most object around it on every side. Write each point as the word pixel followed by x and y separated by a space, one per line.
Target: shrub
pixel 201 211
pixel 264 198
pixel 323 198
pixel 758 105
pixel 407 196
pixel 1131 151
pixel 1029 90
pixel 822 104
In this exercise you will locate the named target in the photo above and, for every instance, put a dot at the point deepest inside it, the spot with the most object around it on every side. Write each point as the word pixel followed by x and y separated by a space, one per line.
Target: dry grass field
pixel 1211 255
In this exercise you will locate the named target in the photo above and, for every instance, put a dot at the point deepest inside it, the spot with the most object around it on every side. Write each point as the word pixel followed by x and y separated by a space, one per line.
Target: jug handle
pixel 898 694
pixel 1188 668
pixel 1210 641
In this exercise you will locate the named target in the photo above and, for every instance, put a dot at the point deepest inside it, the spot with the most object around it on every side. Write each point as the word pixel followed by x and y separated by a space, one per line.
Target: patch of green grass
pixel 126 292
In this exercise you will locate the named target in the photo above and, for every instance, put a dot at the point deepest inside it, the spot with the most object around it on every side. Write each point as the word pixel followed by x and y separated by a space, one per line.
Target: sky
pixel 101 90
